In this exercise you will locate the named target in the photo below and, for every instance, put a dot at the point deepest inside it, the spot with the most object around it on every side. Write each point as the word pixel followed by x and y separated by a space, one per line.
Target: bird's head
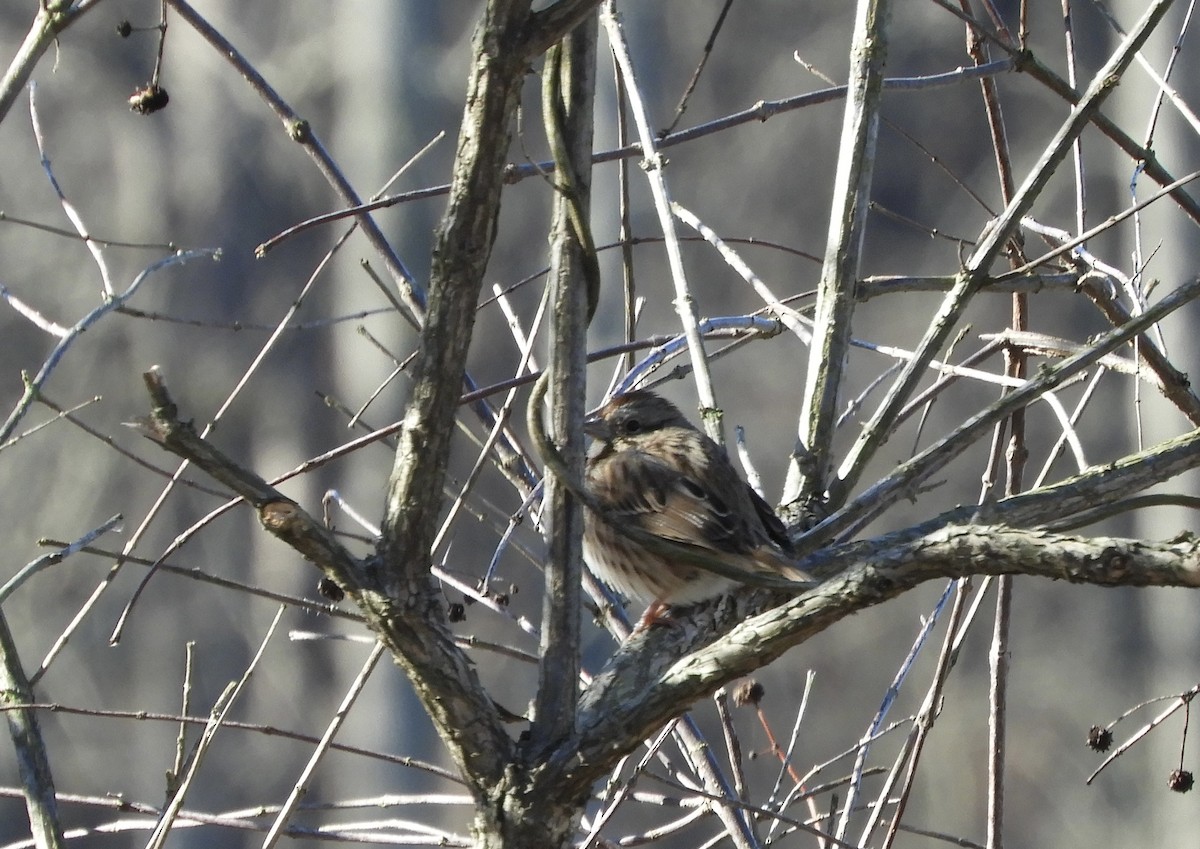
pixel 626 417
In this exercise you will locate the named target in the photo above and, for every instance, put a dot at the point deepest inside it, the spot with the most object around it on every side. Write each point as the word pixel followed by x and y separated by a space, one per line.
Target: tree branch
pixel 879 497
pixel 875 433
pixel 33 763
pixel 1098 485
pixel 569 79
pixel 551 24
pixel 51 19
pixel 417 637
pixel 300 131
pixel 809 469
pixel 410 600
pixel 645 685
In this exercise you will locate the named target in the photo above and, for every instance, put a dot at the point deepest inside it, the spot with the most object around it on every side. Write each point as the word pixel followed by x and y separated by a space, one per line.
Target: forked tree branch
pixel 647 683
pixel 417 637
pixel 1029 64
pixel 52 18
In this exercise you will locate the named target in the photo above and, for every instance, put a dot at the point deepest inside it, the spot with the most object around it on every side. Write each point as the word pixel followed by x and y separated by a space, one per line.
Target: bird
pixel 651 470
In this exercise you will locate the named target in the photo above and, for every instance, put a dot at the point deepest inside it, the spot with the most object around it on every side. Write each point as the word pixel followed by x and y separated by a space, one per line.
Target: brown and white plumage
pixel 650 469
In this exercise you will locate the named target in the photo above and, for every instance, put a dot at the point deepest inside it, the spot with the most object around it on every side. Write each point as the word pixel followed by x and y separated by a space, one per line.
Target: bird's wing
pixel 660 499
pixel 771 522
pixel 665 501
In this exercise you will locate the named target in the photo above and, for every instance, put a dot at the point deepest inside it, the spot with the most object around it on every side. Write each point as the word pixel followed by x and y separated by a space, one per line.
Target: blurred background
pixel 378 81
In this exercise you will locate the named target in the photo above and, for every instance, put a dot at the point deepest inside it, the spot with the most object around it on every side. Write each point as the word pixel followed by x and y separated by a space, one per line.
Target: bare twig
pixel 55 557
pixel 762 111
pixel 1180 702
pixel 877 722
pixel 34 385
pixel 225 701
pixel 300 131
pixel 343 710
pixel 637 693
pixel 876 431
pixel 685 305
pixel 876 498
pixel 53 17
pixel 33 763
pixel 681 107
pixel 94 248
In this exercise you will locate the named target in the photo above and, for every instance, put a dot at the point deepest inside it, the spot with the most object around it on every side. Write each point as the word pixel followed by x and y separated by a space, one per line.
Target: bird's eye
pixel 633 426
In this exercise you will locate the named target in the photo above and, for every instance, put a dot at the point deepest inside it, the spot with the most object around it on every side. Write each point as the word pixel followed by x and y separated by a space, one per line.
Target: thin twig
pixel 760 112
pixel 33 762
pixel 876 431
pixel 34 385
pixel 96 250
pixel 301 786
pixel 681 107
pixel 225 701
pixel 685 305
pixel 55 557
pixel 914 745
pixel 301 131
pixel 878 497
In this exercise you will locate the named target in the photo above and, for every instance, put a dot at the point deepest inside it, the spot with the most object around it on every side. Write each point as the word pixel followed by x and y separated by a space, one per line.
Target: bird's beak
pixel 597 428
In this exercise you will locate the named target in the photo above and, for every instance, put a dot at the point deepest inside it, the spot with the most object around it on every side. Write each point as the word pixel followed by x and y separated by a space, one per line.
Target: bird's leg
pixel 656 615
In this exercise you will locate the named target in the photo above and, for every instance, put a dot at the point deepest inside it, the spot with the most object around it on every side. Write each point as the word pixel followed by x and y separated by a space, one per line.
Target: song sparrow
pixel 652 470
